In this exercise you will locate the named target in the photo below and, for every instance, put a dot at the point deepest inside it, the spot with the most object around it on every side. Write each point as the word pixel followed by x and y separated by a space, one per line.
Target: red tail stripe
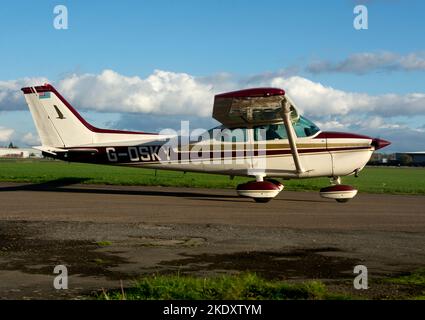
pixel 50 88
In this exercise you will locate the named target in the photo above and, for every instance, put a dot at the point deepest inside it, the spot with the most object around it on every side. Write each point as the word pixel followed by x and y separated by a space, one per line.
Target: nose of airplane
pixel 380 143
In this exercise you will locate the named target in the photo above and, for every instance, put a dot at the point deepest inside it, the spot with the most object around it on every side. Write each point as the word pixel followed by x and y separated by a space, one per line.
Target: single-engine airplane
pixel 262 136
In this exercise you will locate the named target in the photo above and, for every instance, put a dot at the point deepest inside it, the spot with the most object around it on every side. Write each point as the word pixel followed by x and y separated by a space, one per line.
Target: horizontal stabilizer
pixel 50 150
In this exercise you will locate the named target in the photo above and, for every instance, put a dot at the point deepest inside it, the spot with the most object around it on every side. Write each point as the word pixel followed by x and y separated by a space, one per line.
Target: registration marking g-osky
pixel 142 153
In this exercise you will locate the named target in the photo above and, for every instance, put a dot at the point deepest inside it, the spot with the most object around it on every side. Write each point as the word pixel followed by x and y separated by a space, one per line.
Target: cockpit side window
pixel 270 132
pixel 228 135
pixel 305 128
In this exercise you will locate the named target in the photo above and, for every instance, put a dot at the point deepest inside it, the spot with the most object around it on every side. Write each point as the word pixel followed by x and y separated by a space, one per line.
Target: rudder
pixel 57 123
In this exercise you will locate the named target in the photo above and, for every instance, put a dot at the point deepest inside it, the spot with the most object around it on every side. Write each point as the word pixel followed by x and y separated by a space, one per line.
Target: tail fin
pixel 57 122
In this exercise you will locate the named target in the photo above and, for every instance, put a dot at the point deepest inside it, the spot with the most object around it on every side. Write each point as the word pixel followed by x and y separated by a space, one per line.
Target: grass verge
pixel 372 179
pixel 415 280
pixel 227 287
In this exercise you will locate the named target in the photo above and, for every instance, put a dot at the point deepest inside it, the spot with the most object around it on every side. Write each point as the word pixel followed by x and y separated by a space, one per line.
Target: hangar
pixel 411 158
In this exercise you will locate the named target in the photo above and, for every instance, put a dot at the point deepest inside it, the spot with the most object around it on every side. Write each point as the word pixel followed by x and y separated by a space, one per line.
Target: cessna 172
pixel 262 136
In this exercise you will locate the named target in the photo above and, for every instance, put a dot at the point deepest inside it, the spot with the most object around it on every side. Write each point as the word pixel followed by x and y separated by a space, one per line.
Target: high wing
pixel 252 107
pixel 259 106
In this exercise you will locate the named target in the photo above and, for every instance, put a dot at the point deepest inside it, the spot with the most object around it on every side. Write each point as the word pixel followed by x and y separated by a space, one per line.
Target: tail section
pixel 58 124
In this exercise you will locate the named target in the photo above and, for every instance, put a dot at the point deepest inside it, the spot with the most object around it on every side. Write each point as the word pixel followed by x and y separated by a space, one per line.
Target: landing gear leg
pixel 335 181
pixel 259 178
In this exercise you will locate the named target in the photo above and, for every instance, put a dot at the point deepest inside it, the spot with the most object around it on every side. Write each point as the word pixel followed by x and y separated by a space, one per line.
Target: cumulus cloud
pixel 30 139
pixel 156 123
pixel 403 137
pixel 6 134
pixel 170 93
pixel 163 98
pixel 361 63
pixel 358 123
pixel 318 100
pixel 162 92
pixel 10 94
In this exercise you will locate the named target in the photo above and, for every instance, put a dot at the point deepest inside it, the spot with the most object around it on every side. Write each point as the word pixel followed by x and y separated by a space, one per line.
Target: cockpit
pixel 265 110
pixel 302 127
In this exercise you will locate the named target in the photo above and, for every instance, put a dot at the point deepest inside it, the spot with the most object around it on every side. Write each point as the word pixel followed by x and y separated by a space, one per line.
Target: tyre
pixel 262 200
pixel 342 200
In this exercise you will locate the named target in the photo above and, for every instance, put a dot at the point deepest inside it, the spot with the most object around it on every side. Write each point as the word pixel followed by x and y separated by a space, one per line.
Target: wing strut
pixel 286 110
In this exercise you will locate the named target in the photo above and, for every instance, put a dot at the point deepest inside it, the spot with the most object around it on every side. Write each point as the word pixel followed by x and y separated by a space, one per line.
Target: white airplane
pixel 262 136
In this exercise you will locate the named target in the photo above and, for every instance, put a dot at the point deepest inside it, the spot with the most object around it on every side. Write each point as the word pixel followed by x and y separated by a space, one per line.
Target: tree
pixel 405 160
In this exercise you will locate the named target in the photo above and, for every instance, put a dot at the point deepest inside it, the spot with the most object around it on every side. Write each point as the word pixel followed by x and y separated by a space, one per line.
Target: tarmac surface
pixel 107 236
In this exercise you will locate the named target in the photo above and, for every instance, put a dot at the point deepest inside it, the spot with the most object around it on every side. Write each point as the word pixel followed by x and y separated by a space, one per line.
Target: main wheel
pixel 262 200
pixel 339 192
pixel 260 191
pixel 342 200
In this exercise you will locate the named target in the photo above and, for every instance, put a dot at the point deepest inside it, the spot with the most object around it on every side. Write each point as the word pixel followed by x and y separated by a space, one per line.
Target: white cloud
pixel 318 100
pixel 6 134
pixel 164 96
pixel 30 139
pixel 10 94
pixel 366 62
pixel 162 92
pixel 413 61
pixel 170 93
pixel 330 125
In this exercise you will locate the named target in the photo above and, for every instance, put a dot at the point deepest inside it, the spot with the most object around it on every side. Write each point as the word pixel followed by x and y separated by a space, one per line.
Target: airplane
pixel 262 136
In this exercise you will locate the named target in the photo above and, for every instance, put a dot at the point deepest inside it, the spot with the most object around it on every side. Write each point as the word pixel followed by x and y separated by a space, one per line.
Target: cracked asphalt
pixel 107 236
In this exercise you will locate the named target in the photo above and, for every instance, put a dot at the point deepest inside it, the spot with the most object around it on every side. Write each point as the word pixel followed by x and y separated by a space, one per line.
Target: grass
pixel 104 243
pixel 247 286
pixel 413 279
pixel 250 286
pixel 99 261
pixel 371 180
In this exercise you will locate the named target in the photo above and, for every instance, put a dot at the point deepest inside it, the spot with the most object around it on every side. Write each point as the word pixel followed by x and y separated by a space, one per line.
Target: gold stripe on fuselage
pixel 272 146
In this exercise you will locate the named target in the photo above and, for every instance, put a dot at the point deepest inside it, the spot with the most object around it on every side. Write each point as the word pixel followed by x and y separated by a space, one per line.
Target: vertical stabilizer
pixel 58 124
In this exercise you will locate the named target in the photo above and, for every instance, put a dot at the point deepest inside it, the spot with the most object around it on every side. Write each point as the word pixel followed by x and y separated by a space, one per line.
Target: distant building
pixel 19 153
pixel 381 159
pixel 398 159
pixel 411 158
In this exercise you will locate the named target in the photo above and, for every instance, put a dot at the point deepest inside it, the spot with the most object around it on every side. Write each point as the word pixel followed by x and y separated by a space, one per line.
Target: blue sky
pixel 275 40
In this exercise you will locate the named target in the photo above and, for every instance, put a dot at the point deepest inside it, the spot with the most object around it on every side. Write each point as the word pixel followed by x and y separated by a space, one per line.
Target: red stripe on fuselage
pixel 340 135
